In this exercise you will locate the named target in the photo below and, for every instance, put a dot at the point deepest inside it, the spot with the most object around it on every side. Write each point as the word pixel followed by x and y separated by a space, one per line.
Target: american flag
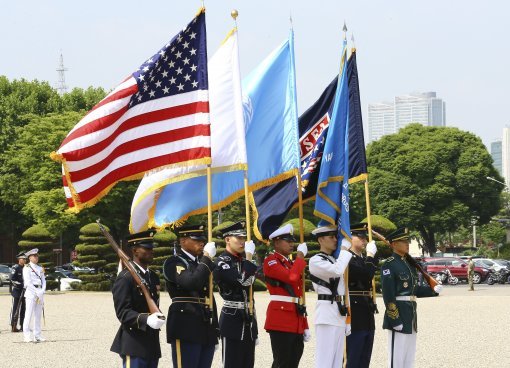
pixel 158 116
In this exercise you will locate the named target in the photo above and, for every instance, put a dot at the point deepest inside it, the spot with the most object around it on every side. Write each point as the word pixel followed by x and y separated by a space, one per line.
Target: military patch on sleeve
pixel 392 311
pixel 179 269
pixel 386 272
pixel 272 262
pixel 223 265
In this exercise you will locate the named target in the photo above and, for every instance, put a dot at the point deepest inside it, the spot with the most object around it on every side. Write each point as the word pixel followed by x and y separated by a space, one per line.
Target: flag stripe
pixel 144 121
pixel 135 145
pixel 96 129
pixel 138 168
pixel 145 154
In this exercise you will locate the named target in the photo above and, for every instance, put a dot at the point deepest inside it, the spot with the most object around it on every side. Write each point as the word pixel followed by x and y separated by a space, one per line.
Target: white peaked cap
pixel 32 252
pixel 284 230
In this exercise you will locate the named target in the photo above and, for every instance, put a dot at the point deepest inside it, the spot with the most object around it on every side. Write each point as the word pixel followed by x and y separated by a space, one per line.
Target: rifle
pixel 430 280
pixel 18 309
pixel 142 284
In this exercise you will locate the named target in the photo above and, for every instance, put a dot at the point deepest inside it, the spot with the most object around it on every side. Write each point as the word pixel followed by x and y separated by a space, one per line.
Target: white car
pixel 488 263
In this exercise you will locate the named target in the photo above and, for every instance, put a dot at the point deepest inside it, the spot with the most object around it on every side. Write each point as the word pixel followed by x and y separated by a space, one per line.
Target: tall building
pixel 424 108
pixel 505 155
pixel 381 117
pixel 497 157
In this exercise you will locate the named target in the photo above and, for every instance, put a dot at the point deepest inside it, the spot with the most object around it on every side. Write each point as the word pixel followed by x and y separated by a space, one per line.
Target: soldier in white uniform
pixel 326 273
pixel 35 286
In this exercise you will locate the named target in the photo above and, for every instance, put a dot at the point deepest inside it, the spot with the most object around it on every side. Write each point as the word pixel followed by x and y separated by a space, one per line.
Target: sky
pixel 460 49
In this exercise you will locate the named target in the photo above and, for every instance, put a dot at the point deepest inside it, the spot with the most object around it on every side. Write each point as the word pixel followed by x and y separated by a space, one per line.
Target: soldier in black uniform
pixel 234 275
pixel 137 340
pixel 192 326
pixel 361 273
pixel 17 293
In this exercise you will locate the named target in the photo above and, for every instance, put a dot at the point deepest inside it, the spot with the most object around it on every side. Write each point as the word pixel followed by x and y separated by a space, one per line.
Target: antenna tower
pixel 61 84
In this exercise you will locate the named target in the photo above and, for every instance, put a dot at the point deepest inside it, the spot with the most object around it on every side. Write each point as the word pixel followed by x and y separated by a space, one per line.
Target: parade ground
pixel 457 329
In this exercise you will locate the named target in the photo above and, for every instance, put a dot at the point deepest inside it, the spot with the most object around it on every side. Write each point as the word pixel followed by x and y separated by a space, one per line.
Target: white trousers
pixel 401 349
pixel 33 309
pixel 329 349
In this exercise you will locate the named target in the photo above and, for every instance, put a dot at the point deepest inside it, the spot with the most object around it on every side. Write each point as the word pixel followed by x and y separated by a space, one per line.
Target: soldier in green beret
pixel 400 288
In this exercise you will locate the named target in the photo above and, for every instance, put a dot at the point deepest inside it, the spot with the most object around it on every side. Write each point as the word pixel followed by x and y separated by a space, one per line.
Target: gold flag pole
pixel 301 229
pixel 369 223
pixel 209 233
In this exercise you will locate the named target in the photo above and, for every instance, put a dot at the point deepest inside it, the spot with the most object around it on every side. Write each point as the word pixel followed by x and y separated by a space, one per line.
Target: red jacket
pixel 283 316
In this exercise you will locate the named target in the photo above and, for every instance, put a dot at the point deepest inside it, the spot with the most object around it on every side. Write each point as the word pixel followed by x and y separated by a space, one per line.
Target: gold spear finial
pixel 345 30
pixel 234 13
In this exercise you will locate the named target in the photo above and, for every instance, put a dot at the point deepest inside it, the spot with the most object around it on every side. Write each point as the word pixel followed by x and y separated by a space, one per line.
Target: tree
pixel 432 179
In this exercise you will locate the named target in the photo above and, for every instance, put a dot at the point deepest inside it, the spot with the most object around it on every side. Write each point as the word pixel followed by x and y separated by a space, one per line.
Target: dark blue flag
pixel 273 203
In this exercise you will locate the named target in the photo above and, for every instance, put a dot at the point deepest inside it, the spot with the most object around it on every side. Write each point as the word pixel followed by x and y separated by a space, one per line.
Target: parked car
pixel 488 263
pixel 457 267
pixel 503 262
pixel 5 274
pixel 66 279
pixel 71 267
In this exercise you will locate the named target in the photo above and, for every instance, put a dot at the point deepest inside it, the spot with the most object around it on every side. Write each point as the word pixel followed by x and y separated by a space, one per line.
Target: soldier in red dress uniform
pixel 286 318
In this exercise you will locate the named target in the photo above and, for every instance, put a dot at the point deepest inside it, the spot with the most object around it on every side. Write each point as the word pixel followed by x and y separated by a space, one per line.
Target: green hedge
pixel 259 285
pixel 89 249
pixel 37 232
pixel 163 251
pixel 38 237
pixel 34 244
pixel 165 238
pixel 93 229
pixel 308 228
pixel 92 239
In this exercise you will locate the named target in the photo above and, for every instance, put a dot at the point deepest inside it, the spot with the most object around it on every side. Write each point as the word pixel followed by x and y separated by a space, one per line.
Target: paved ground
pixel 458 329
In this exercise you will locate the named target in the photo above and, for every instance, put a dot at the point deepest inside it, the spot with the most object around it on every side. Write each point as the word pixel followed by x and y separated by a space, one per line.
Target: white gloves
pixel 216 347
pixel 154 322
pixel 39 293
pixel 347 329
pixel 399 327
pixel 307 335
pixel 302 248
pixel 210 249
pixel 438 288
pixel 346 244
pixel 249 247
pixel 371 248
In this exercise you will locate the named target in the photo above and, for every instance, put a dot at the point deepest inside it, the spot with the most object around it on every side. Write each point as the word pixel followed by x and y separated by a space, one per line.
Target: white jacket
pixel 34 281
pixel 326 313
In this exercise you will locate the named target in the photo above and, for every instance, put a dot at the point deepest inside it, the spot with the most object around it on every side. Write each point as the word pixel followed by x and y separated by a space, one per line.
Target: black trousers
pixel 15 303
pixel 192 355
pixel 237 353
pixel 359 348
pixel 287 349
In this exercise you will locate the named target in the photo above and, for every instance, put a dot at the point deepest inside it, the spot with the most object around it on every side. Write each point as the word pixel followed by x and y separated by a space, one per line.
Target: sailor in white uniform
pixel 35 285
pixel 326 273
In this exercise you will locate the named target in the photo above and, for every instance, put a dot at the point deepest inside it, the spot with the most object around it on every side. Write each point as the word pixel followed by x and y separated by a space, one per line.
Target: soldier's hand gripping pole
pixel 153 308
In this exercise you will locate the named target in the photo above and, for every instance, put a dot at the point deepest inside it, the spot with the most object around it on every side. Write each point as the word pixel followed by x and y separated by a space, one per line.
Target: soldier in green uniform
pixel 471 273
pixel 400 288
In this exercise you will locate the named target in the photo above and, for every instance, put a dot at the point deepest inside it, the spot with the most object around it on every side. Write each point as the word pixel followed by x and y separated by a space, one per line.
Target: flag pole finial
pixel 290 20
pixel 353 42
pixel 234 14
pixel 345 30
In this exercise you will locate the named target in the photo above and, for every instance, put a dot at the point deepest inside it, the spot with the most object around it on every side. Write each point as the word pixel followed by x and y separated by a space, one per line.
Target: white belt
pixel 283 298
pixel 236 305
pixel 411 298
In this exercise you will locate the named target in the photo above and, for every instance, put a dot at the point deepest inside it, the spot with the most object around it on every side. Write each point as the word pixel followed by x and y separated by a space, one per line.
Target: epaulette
pixel 389 259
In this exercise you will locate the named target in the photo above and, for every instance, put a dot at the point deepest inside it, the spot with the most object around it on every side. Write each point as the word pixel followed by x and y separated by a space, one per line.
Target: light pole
pixel 474 220
pixel 497 181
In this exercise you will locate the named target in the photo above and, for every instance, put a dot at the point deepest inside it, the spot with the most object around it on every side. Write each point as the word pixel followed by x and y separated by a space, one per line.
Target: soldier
pixel 192 325
pixel 400 289
pixel 361 273
pixel 326 273
pixel 285 319
pixel 34 283
pixel 471 273
pixel 234 275
pixel 18 297
pixel 137 340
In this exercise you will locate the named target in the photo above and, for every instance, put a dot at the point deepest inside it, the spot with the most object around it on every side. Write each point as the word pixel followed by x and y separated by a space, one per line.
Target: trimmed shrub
pixel 38 237
pixel 259 285
pixel 95 252
pixel 308 228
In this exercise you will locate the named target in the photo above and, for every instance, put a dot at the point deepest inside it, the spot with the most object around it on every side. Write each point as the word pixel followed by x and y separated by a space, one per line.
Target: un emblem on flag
pixel 247 110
